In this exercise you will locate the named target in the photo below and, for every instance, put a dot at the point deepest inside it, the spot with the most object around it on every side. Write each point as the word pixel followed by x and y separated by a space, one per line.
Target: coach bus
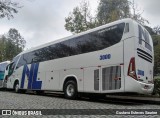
pixel 2 73
pixel 114 58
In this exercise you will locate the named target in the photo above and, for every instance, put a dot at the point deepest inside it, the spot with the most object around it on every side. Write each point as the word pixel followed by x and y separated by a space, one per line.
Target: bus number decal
pixel 104 57
pixel 32 76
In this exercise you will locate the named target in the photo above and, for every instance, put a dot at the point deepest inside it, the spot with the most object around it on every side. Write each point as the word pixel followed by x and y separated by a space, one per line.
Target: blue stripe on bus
pixel 32 76
pixel 25 72
pixel 36 84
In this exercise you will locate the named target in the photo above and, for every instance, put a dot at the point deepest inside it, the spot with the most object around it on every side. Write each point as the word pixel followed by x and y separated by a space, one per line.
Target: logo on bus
pixel 31 76
pixel 106 56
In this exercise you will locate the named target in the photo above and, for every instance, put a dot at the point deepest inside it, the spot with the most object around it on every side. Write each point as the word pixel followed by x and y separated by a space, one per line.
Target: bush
pixel 156 90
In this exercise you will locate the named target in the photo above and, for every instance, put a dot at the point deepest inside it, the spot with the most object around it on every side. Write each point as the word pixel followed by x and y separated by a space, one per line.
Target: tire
pixel 22 91
pixel 16 87
pixel 97 96
pixel 70 90
pixel 39 92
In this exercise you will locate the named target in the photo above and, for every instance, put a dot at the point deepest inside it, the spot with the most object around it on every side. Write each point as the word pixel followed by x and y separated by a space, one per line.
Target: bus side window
pixel 126 28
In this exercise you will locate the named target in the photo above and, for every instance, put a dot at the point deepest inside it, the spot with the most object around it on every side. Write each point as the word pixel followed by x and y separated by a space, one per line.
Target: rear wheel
pixel 97 96
pixel 70 89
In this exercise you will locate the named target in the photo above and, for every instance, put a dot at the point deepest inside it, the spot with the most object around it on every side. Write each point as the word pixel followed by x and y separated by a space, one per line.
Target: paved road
pixel 11 100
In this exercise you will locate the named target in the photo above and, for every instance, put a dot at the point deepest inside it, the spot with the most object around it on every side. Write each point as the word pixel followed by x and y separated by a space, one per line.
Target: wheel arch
pixel 70 77
pixel 16 80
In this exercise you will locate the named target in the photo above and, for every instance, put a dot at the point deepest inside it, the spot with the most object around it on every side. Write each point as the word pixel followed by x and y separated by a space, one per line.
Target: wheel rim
pixel 70 90
pixel 17 87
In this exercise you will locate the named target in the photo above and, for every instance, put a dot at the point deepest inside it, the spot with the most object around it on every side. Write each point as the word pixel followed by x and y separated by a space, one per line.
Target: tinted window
pixel 97 40
pixel 15 62
pixel 144 36
pixel 109 36
pixel 22 60
pixel 90 42
pixel 3 66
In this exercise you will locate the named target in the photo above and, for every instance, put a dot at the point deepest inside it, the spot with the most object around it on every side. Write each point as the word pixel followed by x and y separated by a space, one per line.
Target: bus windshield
pixel 2 67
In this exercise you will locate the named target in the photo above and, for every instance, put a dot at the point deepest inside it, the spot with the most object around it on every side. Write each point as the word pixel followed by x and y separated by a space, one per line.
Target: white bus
pixel 113 58
pixel 3 66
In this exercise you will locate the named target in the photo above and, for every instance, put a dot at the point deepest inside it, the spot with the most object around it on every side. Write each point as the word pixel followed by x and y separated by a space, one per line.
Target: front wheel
pixel 16 87
pixel 70 90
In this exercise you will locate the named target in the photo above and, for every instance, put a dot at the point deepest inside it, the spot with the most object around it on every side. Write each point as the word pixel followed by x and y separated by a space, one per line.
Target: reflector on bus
pixel 132 69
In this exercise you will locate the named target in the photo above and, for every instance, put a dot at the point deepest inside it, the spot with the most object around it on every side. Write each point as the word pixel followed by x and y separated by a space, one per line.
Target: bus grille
pixel 144 55
pixel 111 78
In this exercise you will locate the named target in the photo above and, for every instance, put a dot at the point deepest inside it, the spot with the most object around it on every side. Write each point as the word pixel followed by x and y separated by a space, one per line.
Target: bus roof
pixel 5 62
pixel 77 35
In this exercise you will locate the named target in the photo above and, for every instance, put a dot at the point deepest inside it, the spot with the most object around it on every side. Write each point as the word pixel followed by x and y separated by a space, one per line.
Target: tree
pixel 156 41
pixel 111 10
pixel 16 39
pixel 80 19
pixel 137 14
pixel 11 44
pixel 2 48
pixel 108 11
pixel 157 30
pixel 150 30
pixel 8 8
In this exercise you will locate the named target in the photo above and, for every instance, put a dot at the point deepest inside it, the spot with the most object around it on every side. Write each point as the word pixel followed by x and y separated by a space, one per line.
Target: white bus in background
pixel 3 66
pixel 113 58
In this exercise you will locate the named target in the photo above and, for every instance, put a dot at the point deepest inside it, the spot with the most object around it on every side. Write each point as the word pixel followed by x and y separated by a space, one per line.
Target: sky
pixel 42 21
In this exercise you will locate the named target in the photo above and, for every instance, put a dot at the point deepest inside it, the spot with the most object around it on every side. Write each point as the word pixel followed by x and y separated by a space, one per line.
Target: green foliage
pixel 157 29
pixel 156 90
pixel 80 19
pixel 8 8
pixel 111 10
pixel 156 42
pixel 150 30
pixel 11 44
pixel 137 14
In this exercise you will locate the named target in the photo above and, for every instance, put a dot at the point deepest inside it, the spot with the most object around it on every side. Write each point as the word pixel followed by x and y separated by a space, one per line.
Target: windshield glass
pixel 14 62
pixel 2 67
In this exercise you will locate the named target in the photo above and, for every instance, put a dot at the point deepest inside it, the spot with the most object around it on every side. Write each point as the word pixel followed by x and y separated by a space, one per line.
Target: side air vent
pixel 144 55
pixel 111 78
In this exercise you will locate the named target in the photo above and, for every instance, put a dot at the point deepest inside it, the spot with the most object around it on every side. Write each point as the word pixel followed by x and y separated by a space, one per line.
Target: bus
pixel 114 58
pixel 2 73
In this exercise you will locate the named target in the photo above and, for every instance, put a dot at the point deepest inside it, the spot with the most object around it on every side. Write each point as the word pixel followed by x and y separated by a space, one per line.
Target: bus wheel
pixel 16 87
pixel 70 89
pixel 39 92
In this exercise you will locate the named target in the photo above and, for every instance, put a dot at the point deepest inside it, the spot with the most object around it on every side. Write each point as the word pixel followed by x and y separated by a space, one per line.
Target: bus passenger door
pixel 9 73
